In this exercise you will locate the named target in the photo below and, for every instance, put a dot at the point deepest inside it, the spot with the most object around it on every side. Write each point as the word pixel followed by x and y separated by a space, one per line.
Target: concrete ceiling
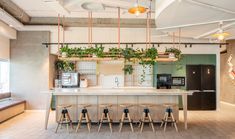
pixel 40 8
pixel 197 18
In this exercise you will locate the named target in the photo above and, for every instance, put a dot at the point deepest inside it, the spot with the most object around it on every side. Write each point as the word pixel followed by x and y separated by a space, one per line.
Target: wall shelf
pixel 112 59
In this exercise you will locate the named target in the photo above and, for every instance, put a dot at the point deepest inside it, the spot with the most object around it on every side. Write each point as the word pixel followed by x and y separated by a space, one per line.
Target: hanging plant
pixel 128 53
pixel 64 51
pixel 128 69
pixel 151 53
pixel 65 66
pixel 98 51
pixel 148 60
pixel 176 51
pixel 114 52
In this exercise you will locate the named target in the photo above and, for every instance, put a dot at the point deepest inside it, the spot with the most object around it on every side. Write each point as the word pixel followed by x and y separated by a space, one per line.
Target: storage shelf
pixel 112 59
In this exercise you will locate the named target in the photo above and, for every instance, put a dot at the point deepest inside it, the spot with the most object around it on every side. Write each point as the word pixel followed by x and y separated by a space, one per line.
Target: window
pixel 4 76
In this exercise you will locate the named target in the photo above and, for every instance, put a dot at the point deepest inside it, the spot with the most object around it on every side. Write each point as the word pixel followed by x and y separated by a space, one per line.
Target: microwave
pixel 70 79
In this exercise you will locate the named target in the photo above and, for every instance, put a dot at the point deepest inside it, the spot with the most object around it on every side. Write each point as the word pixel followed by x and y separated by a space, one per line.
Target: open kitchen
pixel 117 69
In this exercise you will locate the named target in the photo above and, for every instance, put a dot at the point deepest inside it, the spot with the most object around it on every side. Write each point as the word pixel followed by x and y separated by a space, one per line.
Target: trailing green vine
pixel 145 57
pixel 128 69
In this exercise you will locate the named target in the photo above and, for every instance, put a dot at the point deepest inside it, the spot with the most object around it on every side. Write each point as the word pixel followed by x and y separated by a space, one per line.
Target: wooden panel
pixel 110 67
pixel 12 111
pixel 113 110
pixel 133 110
pixel 93 110
pixel 116 111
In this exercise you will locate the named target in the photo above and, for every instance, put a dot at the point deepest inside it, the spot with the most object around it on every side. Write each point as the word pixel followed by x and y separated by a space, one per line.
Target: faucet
pixel 116 81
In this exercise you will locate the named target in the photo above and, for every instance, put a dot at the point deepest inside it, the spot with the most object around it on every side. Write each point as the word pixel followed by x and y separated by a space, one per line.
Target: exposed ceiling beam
pixel 214 7
pixel 14 10
pixel 214 31
pixel 195 24
pixel 10 20
pixel 97 22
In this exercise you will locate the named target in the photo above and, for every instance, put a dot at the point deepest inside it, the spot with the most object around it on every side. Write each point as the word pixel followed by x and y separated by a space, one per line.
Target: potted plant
pixel 173 53
pixel 64 51
pixel 65 66
pixel 98 51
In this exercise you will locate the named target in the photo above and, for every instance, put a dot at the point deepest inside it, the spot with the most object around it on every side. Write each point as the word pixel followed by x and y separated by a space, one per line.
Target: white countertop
pixel 122 91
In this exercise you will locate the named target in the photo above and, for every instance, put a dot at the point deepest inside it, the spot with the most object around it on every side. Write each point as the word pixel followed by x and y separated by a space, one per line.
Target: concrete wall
pixel 4 48
pixel 29 72
pixel 227 86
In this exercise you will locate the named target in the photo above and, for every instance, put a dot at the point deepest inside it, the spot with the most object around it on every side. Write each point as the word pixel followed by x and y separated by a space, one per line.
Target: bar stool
pixel 169 117
pixel 64 117
pixel 84 115
pixel 146 116
pixel 126 116
pixel 105 116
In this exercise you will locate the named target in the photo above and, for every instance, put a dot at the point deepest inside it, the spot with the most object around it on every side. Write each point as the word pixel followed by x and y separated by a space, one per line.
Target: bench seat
pixel 10 107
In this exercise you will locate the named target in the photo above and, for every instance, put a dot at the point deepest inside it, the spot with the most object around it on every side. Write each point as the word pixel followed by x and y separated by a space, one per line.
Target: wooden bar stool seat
pixel 105 116
pixel 168 116
pixel 64 117
pixel 146 117
pixel 84 116
pixel 126 116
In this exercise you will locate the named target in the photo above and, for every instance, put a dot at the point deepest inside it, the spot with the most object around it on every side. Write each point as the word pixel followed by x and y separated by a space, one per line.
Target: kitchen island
pixel 117 96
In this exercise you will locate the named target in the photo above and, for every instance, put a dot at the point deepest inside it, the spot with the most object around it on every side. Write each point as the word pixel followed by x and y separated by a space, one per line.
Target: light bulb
pixel 137 13
pixel 221 37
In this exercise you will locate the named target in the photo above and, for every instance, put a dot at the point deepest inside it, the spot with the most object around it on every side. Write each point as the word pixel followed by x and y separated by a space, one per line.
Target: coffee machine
pixel 70 79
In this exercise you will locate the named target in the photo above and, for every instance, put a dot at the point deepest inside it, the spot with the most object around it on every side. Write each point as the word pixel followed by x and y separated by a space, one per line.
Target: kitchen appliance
pixel 70 79
pixel 83 83
pixel 164 81
pixel 178 81
pixel 201 79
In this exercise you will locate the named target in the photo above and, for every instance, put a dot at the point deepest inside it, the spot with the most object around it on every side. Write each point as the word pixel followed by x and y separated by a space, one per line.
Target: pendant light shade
pixel 220 35
pixel 137 9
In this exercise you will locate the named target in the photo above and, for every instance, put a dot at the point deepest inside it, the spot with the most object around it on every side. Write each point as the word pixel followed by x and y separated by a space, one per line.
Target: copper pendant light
pixel 137 9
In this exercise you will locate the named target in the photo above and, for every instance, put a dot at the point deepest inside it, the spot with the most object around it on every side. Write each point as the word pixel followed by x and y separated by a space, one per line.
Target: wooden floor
pixel 202 125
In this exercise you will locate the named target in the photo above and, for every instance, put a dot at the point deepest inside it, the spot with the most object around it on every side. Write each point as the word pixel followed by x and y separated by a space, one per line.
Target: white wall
pixel 4 48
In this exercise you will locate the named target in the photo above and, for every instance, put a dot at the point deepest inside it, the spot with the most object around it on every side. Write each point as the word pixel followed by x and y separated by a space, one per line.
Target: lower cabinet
pixel 202 101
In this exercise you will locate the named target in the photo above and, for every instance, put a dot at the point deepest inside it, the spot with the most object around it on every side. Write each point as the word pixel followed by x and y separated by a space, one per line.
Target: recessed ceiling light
pixel 93 6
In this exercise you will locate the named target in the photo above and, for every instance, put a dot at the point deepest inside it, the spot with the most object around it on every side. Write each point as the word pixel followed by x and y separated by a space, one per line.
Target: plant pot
pixel 94 56
pixel 171 55
pixel 64 54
